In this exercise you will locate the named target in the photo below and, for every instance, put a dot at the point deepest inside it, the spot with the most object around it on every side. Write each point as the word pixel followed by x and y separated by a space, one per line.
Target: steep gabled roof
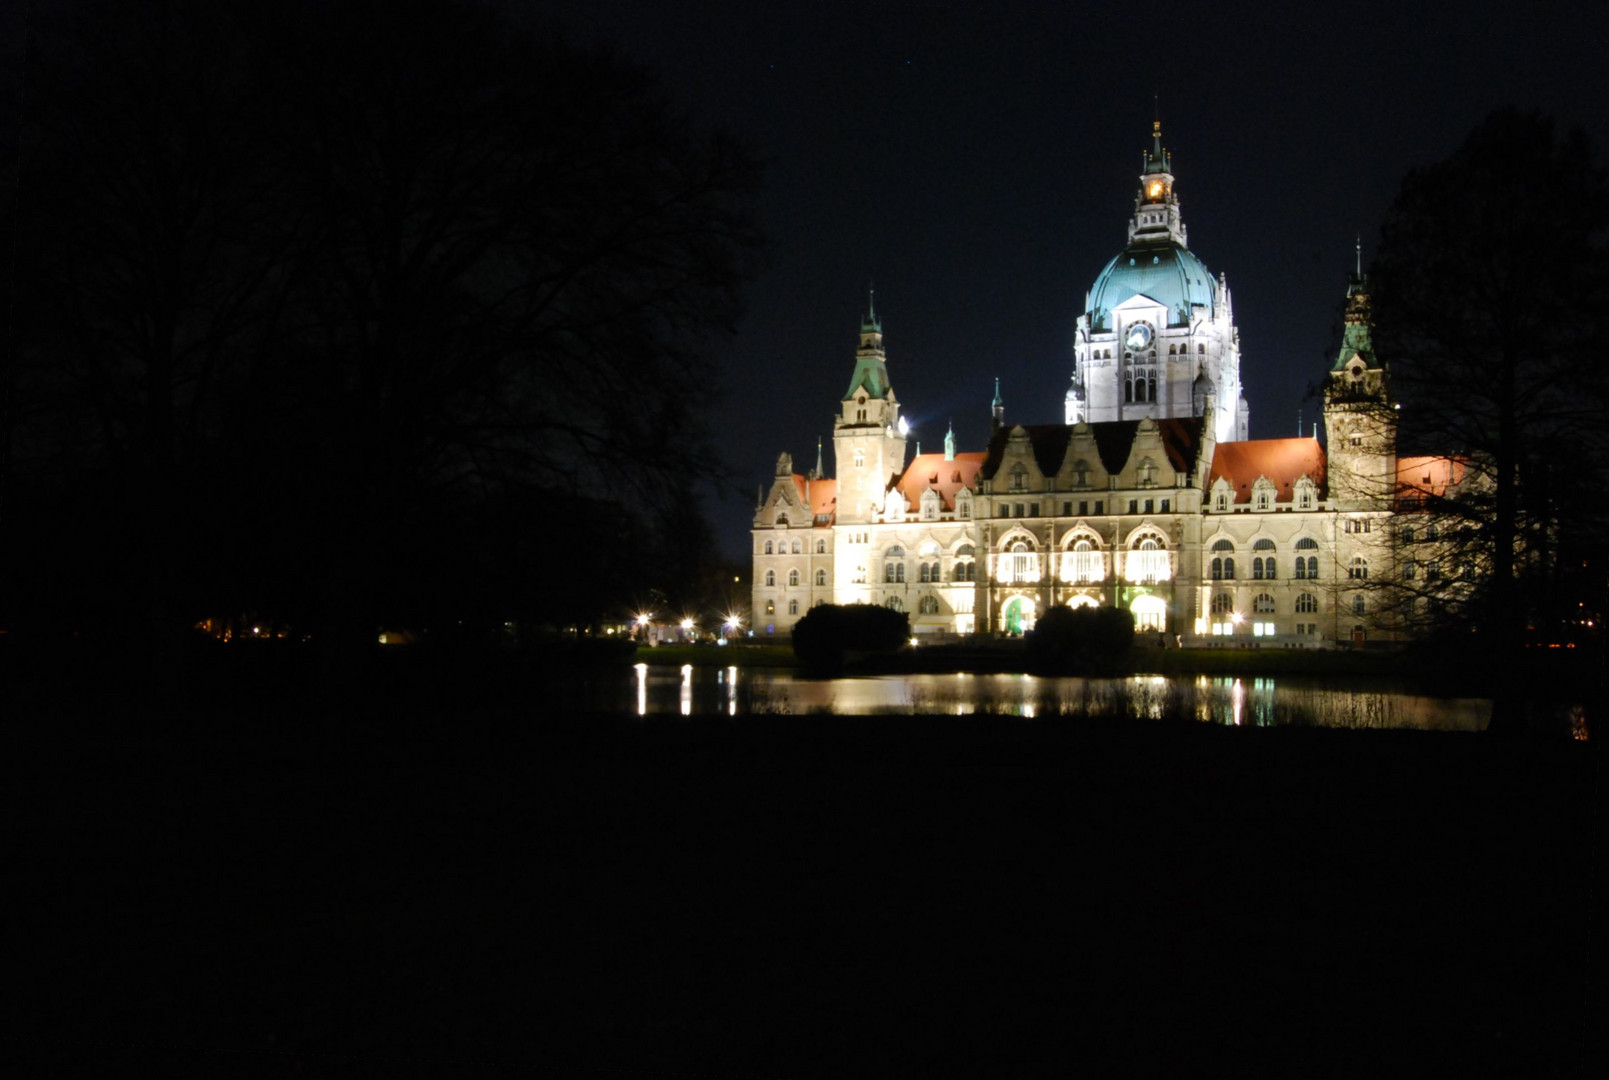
pixel 1283 461
pixel 933 471
pixel 821 496
pixel 1048 441
pixel 1114 442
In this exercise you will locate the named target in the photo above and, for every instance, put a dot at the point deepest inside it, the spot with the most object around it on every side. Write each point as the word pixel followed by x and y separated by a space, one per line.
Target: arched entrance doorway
pixel 1150 613
pixel 1017 618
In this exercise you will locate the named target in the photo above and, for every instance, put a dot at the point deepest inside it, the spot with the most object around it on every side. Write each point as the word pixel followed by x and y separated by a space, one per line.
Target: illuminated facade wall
pixel 1161 507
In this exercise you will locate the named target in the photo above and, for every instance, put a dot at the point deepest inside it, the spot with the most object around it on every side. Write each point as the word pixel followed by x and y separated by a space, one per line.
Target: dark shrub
pixel 829 633
pixel 1081 641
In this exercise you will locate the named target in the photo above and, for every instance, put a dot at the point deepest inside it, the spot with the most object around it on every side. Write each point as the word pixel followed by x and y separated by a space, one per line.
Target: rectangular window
pixel 1164 506
pixel 1134 506
pixel 1066 509
pixel 1019 510
pixel 1083 508
pixel 1100 507
pixel 1033 509
pixel 1148 504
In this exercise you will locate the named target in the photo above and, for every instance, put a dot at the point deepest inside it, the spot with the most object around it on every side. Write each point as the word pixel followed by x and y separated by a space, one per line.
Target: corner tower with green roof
pixel 1156 322
pixel 868 436
pixel 1360 418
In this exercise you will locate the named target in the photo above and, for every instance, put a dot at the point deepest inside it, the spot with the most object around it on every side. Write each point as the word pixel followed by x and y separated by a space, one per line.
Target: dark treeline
pixel 354 313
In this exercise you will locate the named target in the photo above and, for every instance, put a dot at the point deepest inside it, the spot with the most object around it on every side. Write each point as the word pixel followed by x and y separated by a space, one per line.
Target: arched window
pixel 768 549
pixel 894 603
pixel 821 577
pixel 1359 568
pixel 1128 391
pixel 899 572
pixel 1223 565
pixel 793 577
pixel 1084 563
pixel 1222 603
pixel 821 547
pixel 793 607
pixel 1148 561
pixel 929 605
pixel 1150 391
pixel 924 573
pixel 1306 604
pixel 796 548
pixel 1263 566
pixel 1307 566
pixel 1263 604
pixel 1409 571
pixel 770 577
pixel 1019 477
pixel 888 573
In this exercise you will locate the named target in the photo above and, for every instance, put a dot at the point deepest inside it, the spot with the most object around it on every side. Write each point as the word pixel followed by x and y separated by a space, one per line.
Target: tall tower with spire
pixel 1157 336
pixel 1360 418
pixel 868 433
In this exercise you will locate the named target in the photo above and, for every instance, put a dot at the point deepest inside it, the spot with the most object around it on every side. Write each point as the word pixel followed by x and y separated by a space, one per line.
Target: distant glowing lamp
pixel 904 427
pixel 687 624
pixel 1155 190
pixel 1237 618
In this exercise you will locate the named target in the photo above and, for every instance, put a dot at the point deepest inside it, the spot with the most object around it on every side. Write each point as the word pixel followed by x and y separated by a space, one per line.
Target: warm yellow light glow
pixel 1237 618
pixel 1155 189
pixel 687 624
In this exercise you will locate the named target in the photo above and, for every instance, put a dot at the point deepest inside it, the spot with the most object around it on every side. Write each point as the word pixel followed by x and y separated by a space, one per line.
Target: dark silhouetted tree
pixel 1490 309
pixel 1080 641
pixel 829 634
pixel 366 307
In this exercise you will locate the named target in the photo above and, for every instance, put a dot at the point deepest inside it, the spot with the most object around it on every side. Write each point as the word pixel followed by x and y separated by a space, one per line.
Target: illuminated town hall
pixel 1148 496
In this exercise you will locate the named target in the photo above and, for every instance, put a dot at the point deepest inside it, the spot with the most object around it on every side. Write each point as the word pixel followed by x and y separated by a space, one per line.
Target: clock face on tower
pixel 1138 337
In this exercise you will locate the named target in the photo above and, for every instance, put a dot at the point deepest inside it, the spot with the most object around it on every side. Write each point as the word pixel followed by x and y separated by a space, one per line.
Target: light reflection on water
pixel 1250 702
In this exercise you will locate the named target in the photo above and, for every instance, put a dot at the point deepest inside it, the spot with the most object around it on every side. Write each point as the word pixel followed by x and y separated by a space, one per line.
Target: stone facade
pixel 1147 497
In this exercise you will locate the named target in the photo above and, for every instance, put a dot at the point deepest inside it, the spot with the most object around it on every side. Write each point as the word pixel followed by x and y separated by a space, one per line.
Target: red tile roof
pixel 1421 476
pixel 820 495
pixel 933 471
pixel 1283 461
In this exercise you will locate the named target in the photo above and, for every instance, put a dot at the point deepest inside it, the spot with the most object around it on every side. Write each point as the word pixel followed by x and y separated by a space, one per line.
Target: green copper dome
pixel 1163 270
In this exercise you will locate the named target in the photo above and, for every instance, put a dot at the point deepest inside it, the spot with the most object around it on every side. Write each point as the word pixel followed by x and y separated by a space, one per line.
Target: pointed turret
pixel 949 443
pixel 997 408
pixel 1156 207
pixel 1355 335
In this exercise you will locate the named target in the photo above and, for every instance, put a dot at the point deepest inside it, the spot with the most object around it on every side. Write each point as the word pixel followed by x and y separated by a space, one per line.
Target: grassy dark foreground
pixel 385 885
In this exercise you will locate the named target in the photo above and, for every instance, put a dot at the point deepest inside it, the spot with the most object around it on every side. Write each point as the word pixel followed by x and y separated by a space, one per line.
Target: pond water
pixel 1214 699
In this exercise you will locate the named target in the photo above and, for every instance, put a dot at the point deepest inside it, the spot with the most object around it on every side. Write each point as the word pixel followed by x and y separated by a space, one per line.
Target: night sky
pixel 979 167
